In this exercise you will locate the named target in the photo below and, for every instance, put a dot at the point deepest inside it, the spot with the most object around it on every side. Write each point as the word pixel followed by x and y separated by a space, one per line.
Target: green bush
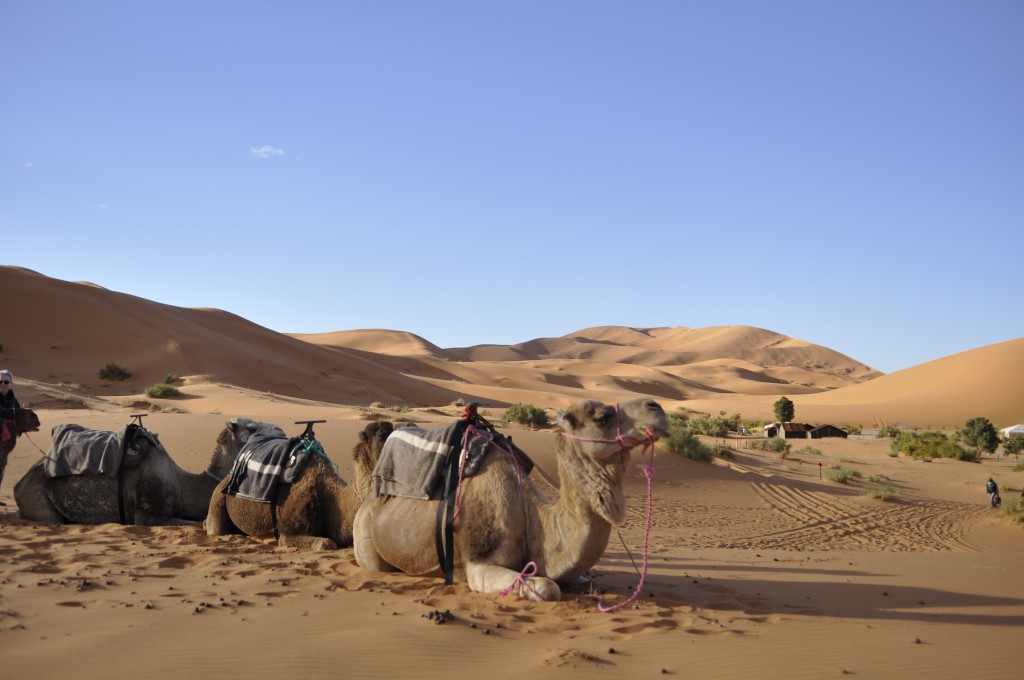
pixel 930 445
pixel 884 492
pixel 888 432
pixel 808 449
pixel 162 391
pixel 852 429
pixel 526 414
pixel 778 445
pixel 711 426
pixel 1019 467
pixel 113 371
pixel 683 440
pixel 1013 508
pixel 841 475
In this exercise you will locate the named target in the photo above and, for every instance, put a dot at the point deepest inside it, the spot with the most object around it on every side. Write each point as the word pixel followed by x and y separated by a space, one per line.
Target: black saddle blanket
pixel 76 450
pixel 266 460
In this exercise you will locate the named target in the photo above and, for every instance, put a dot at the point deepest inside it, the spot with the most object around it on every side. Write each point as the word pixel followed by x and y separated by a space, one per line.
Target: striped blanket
pixel 266 460
pixel 412 462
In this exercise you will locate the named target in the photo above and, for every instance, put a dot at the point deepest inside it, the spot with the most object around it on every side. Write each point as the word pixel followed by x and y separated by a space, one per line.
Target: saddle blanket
pixel 76 450
pixel 266 460
pixel 412 462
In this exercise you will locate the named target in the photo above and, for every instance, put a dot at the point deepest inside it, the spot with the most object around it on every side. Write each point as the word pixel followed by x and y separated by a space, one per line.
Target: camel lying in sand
pixel 14 422
pixel 313 513
pixel 157 492
pixel 504 524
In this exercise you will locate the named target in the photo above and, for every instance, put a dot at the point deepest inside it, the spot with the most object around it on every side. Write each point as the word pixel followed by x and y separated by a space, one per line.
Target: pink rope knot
pixel 529 570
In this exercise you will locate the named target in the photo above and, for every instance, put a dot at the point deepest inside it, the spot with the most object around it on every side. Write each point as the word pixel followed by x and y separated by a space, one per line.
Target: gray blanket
pixel 412 461
pixel 76 450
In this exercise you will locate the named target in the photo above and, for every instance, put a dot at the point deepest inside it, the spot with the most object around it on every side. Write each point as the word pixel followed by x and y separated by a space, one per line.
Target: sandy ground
pixel 756 567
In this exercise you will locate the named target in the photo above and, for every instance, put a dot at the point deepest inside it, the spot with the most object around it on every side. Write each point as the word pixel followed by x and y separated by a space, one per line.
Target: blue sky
pixel 847 173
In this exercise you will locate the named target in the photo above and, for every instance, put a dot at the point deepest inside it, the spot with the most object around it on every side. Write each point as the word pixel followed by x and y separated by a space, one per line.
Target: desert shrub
pixel 852 429
pixel 887 432
pixel 809 450
pixel 526 414
pixel 162 391
pixel 171 379
pixel 712 426
pixel 1019 467
pixel 113 371
pixel 930 445
pixel 721 450
pixel 778 445
pixel 881 491
pixel 841 475
pixel 1013 507
pixel 682 440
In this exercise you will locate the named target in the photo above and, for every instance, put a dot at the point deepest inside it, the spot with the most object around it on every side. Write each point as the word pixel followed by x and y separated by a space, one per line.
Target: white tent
pixel 1013 431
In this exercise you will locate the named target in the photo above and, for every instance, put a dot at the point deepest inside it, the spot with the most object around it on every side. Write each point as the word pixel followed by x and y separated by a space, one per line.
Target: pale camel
pixel 505 522
pixel 156 492
pixel 14 422
pixel 313 513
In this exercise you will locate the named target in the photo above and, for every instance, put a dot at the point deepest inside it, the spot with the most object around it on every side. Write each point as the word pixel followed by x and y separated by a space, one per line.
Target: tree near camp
pixel 1013 445
pixel 784 410
pixel 981 434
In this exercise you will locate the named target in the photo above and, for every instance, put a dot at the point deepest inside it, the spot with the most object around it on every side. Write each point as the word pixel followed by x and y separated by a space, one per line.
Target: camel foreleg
pixel 484 577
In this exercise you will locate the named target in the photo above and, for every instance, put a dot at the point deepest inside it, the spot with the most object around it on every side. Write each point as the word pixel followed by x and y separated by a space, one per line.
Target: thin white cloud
pixel 265 151
pixel 29 164
pixel 101 206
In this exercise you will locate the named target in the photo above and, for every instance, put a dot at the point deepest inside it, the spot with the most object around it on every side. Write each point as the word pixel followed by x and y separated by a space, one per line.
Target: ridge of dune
pixel 737 368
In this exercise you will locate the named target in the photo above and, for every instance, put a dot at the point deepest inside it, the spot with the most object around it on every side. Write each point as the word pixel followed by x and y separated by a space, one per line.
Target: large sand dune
pixel 59 334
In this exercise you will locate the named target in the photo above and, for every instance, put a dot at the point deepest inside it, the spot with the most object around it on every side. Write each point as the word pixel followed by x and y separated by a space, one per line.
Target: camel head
pixel 23 419
pixel 26 420
pixel 233 437
pixel 594 448
pixel 367 452
pixel 607 430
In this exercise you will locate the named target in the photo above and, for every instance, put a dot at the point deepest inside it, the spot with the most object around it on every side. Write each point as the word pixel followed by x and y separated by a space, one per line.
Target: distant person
pixel 992 489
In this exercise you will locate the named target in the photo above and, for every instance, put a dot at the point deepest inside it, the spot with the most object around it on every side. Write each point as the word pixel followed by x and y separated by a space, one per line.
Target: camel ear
pixel 565 420
pixel 363 437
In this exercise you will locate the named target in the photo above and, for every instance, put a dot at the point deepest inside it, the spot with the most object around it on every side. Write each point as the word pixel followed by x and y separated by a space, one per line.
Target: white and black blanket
pixel 266 460
pixel 412 462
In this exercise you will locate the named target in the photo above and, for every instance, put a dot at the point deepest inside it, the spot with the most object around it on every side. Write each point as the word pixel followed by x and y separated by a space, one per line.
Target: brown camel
pixel 14 422
pixel 504 524
pixel 313 513
pixel 157 492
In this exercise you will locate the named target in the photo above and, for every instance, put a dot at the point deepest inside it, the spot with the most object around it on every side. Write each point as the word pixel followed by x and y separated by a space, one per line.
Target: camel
pixel 157 492
pixel 504 522
pixel 14 422
pixel 313 513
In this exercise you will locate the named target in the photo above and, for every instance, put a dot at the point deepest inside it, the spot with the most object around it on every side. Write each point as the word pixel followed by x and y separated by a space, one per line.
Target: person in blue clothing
pixel 992 489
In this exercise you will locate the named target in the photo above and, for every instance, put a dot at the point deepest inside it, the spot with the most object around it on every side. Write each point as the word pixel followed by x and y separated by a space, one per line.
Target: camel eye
pixel 604 419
